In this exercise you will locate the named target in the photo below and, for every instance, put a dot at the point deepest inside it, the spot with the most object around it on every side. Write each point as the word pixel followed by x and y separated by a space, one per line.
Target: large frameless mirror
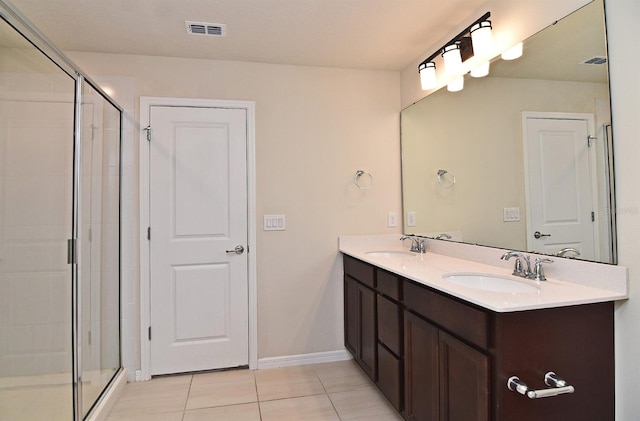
pixel 521 159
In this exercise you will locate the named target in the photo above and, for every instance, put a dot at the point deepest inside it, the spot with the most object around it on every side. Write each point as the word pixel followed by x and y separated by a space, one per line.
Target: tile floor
pixel 329 391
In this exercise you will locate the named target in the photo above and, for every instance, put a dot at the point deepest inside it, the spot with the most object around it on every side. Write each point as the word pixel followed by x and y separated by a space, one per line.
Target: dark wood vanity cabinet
pixel 373 325
pixel 445 378
pixel 436 357
pixel 360 325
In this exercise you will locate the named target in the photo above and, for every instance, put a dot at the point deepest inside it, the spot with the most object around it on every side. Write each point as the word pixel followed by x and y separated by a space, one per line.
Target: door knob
pixel 236 250
pixel 538 234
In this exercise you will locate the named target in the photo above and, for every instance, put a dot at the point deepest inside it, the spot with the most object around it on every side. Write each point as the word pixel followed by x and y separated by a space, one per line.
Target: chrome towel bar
pixel 557 387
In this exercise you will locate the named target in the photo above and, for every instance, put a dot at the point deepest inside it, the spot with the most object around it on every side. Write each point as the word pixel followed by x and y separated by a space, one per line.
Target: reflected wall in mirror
pixel 529 147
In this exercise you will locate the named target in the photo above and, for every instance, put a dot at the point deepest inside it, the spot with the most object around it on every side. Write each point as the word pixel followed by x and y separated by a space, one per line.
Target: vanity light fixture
pixel 513 52
pixel 456 51
pixel 428 78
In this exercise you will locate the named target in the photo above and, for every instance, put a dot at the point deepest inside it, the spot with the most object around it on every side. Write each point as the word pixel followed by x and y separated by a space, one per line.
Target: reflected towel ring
pixel 358 181
pixel 442 182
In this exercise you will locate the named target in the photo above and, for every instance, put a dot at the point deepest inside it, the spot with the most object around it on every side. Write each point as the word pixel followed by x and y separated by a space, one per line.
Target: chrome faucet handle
pixel 538 269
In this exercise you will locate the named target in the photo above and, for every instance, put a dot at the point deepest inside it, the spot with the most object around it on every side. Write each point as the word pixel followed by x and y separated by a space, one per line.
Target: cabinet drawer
pixel 361 271
pixel 388 284
pixel 389 324
pixel 389 380
pixel 462 320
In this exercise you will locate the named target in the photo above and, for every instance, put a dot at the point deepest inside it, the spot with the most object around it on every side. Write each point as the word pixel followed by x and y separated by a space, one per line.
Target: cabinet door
pixel 389 367
pixel 368 343
pixel 464 381
pixel 420 369
pixel 351 318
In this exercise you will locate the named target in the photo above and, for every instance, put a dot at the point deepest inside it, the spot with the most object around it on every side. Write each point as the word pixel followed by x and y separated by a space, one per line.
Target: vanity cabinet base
pixel 437 357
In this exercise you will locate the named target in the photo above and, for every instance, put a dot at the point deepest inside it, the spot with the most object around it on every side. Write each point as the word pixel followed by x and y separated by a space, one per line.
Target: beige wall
pixel 472 135
pixel 314 128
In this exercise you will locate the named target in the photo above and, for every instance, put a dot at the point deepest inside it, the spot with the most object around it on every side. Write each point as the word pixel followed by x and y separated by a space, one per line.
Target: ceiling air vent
pixel 595 61
pixel 209 29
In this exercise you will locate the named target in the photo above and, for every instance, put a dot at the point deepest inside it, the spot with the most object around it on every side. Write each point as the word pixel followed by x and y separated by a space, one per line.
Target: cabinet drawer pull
pixel 558 387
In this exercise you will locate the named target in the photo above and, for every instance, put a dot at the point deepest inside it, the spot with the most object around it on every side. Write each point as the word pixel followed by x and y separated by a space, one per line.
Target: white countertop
pixel 428 269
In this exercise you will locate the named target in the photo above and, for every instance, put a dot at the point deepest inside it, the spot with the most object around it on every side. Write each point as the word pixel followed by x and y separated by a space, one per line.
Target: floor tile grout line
pixel 186 401
pixel 255 386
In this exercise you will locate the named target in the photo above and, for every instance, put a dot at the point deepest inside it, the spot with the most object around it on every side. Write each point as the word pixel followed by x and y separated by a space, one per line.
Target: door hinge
pixel 149 332
pixel 590 140
pixel 593 217
pixel 149 233
pixel 71 251
pixel 148 129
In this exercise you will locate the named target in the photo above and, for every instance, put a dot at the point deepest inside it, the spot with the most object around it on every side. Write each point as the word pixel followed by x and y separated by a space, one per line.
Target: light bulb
pixel 452 59
pixel 427 75
pixel 481 38
pixel 456 84
pixel 513 52
pixel 481 70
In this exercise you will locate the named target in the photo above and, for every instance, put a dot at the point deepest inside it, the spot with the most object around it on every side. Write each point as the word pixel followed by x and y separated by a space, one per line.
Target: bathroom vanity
pixel 446 352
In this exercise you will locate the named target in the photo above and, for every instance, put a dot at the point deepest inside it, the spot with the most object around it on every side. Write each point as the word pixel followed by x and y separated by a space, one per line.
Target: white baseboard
pixel 303 359
pixel 102 409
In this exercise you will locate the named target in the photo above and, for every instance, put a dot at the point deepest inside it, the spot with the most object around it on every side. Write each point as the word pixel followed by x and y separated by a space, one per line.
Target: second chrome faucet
pixel 418 244
pixel 522 266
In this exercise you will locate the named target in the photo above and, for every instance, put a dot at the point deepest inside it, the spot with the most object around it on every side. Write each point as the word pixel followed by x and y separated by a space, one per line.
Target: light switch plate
pixel 392 219
pixel 411 219
pixel 511 214
pixel 274 223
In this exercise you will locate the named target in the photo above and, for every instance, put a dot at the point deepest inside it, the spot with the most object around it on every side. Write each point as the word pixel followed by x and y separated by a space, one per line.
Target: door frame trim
pixel 145 296
pixel 590 120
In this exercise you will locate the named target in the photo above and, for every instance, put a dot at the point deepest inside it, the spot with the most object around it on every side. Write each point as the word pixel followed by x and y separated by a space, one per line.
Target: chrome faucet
pixel 418 244
pixel 563 252
pixel 444 235
pixel 519 270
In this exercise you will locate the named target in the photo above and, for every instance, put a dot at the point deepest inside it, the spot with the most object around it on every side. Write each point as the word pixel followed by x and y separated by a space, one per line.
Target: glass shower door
pixel 36 182
pixel 99 263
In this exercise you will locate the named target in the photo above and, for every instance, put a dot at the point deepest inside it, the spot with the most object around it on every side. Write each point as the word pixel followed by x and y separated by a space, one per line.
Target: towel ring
pixel 357 180
pixel 443 182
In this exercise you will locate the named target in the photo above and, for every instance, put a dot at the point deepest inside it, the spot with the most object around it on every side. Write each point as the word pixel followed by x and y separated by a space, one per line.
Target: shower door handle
pixel 236 250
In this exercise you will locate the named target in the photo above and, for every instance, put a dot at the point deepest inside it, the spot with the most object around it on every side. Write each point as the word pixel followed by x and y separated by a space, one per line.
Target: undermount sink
pixel 489 282
pixel 391 254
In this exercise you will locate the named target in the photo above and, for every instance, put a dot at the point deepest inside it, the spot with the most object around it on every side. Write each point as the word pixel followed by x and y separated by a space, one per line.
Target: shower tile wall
pixel 36 135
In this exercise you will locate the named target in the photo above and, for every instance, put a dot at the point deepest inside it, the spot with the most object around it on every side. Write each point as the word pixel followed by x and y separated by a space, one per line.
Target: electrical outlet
pixel 392 219
pixel 411 219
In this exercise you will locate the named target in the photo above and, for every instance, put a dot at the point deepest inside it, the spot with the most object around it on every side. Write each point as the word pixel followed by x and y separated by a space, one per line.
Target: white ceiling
pixel 359 34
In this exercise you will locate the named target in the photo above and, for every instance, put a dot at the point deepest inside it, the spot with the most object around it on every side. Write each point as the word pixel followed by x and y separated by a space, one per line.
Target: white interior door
pixel 198 213
pixel 560 184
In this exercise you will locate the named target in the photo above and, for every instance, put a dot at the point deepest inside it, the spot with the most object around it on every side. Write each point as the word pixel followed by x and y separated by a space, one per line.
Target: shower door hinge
pixel 149 233
pixel 148 129
pixel 149 332
pixel 71 251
